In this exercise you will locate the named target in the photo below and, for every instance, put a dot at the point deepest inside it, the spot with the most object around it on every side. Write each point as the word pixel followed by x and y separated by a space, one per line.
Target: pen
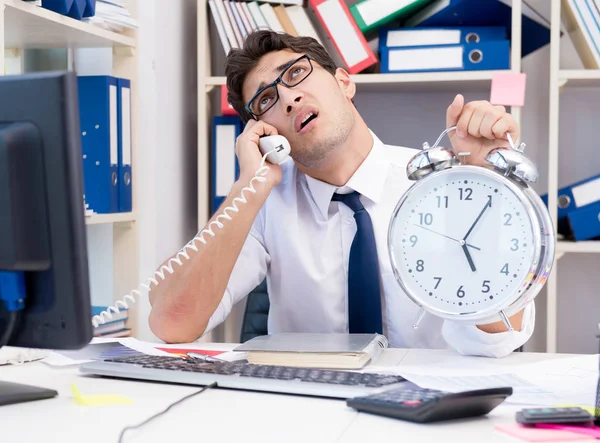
pixel 205 358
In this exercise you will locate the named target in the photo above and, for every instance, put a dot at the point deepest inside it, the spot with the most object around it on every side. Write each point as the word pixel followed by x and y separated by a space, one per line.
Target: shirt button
pixel 349 221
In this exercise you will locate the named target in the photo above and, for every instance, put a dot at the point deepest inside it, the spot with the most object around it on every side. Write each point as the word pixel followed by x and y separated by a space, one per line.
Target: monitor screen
pixel 44 282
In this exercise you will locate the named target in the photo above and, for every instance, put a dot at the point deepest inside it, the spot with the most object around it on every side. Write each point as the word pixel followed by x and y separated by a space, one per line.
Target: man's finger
pixel 506 125
pixel 454 110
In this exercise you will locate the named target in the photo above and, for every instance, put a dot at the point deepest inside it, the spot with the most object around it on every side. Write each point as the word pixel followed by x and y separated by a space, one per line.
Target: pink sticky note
pixel 508 89
pixel 538 434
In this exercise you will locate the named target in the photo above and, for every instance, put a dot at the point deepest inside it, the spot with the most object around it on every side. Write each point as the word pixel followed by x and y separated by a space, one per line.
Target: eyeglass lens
pixel 293 75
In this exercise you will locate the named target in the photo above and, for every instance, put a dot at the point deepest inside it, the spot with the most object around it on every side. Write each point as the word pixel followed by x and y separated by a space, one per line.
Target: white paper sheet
pixel 570 380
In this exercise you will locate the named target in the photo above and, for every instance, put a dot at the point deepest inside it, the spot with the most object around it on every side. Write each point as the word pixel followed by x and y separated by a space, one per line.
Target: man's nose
pixel 290 99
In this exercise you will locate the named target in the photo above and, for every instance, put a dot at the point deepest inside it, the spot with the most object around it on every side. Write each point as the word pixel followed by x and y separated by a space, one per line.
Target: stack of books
pixel 582 20
pixel 113 328
pixel 112 15
pixel 386 35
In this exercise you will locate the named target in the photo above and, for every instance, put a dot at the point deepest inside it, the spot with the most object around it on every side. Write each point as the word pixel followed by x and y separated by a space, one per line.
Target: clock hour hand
pixel 488 204
pixel 469 258
pixel 447 236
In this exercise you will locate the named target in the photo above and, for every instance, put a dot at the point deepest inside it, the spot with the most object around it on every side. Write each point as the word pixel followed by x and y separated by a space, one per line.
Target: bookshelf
pixel 429 81
pixel 123 219
pixel 559 80
pixel 25 26
pixel 28 25
pixel 209 63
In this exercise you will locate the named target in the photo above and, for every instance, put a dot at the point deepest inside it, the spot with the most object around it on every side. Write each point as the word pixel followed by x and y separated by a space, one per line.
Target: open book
pixel 315 350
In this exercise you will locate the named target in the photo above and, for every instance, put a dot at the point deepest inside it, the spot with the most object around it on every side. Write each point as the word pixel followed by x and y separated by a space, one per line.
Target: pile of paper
pixel 566 380
pixel 112 15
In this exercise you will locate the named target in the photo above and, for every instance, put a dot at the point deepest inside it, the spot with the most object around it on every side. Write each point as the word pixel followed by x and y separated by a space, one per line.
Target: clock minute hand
pixel 487 205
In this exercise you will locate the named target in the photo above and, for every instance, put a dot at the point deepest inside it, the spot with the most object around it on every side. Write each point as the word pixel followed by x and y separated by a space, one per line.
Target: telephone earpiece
pixel 277 145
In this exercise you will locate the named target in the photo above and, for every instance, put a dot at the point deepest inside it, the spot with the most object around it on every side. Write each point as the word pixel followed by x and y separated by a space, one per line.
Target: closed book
pixel 584 223
pixel 535 29
pixel 373 14
pixel 315 350
pixel 582 21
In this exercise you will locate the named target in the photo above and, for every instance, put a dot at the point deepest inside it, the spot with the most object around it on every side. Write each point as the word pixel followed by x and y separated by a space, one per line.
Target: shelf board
pixel 121 217
pixel 589 247
pixel 429 81
pixel 580 77
pixel 30 26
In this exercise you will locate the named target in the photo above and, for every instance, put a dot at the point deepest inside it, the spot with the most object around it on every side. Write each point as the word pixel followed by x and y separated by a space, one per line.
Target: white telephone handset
pixel 275 149
pixel 276 146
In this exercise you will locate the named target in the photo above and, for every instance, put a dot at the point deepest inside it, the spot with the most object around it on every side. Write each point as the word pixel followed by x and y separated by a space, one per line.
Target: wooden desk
pixel 227 415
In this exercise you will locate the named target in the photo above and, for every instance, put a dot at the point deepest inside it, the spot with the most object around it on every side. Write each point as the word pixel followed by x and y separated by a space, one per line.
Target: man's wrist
pixel 261 186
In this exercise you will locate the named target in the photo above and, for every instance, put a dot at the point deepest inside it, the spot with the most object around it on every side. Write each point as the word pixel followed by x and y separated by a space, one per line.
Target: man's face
pixel 315 115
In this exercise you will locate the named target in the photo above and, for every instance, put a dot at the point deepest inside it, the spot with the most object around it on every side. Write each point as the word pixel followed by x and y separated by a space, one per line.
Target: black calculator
pixel 429 405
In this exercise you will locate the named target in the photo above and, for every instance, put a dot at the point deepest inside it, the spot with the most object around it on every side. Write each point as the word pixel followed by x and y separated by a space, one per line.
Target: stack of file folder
pixel 426 49
pixel 76 9
pixel 225 169
pixel 578 211
pixel 105 121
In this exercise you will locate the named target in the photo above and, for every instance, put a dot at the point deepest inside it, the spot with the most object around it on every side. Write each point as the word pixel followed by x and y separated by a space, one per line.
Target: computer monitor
pixel 44 281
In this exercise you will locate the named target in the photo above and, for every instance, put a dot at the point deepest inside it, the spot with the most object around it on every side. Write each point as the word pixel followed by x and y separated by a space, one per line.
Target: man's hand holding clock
pixel 480 128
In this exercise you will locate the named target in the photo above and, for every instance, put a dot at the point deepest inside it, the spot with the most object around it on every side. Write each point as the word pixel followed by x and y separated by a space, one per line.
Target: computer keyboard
pixel 242 375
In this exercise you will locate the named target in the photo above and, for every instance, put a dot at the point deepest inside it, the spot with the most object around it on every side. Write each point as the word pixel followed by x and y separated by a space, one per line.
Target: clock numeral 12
pixel 465 193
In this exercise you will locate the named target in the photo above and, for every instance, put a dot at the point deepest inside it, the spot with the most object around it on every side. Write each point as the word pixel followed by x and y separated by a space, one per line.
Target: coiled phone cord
pixel 160 274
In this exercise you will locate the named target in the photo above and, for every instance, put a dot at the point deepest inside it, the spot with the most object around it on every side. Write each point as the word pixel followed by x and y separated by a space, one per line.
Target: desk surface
pixel 227 414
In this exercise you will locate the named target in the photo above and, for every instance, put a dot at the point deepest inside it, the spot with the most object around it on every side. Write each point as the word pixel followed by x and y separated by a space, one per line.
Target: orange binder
pixel 336 19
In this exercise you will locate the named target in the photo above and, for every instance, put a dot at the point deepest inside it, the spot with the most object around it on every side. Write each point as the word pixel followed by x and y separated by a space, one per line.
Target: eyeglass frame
pixel 274 84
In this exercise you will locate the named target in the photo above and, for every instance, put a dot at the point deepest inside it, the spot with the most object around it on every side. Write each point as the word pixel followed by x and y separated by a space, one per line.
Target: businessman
pixel 298 228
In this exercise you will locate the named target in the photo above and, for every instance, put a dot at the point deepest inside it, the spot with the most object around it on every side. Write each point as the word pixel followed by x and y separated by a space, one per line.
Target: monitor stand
pixel 11 393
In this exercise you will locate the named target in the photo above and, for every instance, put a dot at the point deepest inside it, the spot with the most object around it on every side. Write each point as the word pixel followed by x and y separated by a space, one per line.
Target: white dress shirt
pixel 301 242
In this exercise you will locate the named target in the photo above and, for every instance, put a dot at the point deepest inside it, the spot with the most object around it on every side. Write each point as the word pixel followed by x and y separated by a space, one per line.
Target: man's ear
pixel 345 82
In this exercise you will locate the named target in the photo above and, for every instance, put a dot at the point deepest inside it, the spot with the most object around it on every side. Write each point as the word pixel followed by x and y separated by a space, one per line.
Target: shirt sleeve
pixel 470 340
pixel 248 272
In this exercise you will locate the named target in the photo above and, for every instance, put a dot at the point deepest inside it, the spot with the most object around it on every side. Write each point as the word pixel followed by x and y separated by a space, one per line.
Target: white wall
pixel 167 135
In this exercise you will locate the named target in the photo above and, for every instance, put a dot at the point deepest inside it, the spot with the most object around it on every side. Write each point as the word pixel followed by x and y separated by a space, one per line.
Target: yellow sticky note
pixel 99 400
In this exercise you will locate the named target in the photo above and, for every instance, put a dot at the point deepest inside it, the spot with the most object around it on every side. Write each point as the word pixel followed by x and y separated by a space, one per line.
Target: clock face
pixel 463 241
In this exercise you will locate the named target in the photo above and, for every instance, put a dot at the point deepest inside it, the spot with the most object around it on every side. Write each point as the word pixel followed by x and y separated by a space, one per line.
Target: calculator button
pixel 411 402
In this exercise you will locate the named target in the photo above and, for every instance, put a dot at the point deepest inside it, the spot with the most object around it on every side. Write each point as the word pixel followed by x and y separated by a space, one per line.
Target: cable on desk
pixel 128 428
pixel 10 326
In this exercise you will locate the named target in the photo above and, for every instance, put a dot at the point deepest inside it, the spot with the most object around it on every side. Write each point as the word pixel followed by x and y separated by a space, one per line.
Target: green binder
pixel 402 9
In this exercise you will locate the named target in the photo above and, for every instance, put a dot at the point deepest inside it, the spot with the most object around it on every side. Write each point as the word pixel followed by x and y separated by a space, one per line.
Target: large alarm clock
pixel 469 243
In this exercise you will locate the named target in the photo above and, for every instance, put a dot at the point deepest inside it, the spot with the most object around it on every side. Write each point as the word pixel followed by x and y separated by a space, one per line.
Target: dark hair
pixel 240 62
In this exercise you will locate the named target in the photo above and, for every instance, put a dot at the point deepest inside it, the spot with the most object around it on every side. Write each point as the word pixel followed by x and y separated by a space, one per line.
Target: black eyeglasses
pixel 291 76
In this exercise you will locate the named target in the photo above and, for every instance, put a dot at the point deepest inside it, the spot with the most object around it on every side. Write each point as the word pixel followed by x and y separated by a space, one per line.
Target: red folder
pixel 351 44
pixel 226 108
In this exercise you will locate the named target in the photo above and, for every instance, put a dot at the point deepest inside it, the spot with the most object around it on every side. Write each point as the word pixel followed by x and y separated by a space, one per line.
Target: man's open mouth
pixel 307 119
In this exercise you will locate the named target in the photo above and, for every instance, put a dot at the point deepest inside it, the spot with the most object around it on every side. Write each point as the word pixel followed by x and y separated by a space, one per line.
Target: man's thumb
pixel 453 111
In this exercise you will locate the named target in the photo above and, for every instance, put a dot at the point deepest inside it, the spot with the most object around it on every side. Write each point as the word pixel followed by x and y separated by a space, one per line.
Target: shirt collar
pixel 368 180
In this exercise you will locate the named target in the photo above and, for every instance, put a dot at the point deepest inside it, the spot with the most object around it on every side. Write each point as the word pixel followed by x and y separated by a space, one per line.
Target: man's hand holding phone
pixel 250 157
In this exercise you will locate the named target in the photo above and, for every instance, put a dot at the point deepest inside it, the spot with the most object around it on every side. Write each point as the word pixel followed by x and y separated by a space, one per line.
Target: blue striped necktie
pixel 364 299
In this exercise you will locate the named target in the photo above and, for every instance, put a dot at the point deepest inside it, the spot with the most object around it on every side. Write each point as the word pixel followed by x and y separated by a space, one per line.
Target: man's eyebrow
pixel 279 69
